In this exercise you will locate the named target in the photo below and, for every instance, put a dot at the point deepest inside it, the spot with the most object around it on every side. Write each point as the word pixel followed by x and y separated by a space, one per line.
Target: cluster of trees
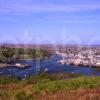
pixel 38 53
pixel 9 55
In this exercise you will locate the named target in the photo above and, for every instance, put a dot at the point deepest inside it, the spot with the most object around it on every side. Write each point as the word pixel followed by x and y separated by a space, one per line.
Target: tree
pixel 8 53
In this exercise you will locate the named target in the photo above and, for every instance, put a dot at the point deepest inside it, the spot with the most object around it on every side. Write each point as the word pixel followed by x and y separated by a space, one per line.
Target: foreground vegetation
pixel 50 87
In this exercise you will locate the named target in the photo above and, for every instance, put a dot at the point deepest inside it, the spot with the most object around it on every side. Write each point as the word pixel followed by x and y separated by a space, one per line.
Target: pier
pixel 17 65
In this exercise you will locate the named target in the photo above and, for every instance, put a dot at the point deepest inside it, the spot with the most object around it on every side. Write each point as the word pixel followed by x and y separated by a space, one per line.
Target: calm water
pixel 52 66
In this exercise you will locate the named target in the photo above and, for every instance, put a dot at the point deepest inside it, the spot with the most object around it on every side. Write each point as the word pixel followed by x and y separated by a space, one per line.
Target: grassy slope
pixel 47 87
pixel 82 82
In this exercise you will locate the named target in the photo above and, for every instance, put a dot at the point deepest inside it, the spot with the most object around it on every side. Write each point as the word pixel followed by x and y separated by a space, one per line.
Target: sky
pixel 50 21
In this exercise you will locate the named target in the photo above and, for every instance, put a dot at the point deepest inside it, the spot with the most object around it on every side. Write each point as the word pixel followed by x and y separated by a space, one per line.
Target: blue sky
pixel 50 21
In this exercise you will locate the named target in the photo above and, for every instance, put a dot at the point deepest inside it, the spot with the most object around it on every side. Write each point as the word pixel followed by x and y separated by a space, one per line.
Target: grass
pixel 81 82
pixel 50 87
pixel 8 79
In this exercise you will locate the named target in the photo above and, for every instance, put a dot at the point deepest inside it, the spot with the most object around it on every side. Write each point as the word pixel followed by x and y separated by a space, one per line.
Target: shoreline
pixel 78 65
pixel 14 65
pixel 5 65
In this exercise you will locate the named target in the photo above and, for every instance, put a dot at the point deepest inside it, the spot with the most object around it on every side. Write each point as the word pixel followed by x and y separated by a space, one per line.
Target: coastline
pixel 14 65
pixel 5 65
pixel 78 65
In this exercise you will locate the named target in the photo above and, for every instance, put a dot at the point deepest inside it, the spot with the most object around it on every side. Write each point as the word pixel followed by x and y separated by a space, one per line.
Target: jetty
pixel 17 65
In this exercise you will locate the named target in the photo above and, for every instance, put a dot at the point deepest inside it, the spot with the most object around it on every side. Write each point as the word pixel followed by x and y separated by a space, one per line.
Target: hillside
pixel 49 87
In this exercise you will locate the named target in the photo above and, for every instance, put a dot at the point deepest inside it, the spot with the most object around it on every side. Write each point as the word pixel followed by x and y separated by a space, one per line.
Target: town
pixel 80 56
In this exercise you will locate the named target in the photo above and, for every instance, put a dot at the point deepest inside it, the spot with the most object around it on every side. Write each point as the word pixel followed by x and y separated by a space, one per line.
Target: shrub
pixel 8 79
pixel 22 95
pixel 82 82
pixel 5 95
pixel 40 78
